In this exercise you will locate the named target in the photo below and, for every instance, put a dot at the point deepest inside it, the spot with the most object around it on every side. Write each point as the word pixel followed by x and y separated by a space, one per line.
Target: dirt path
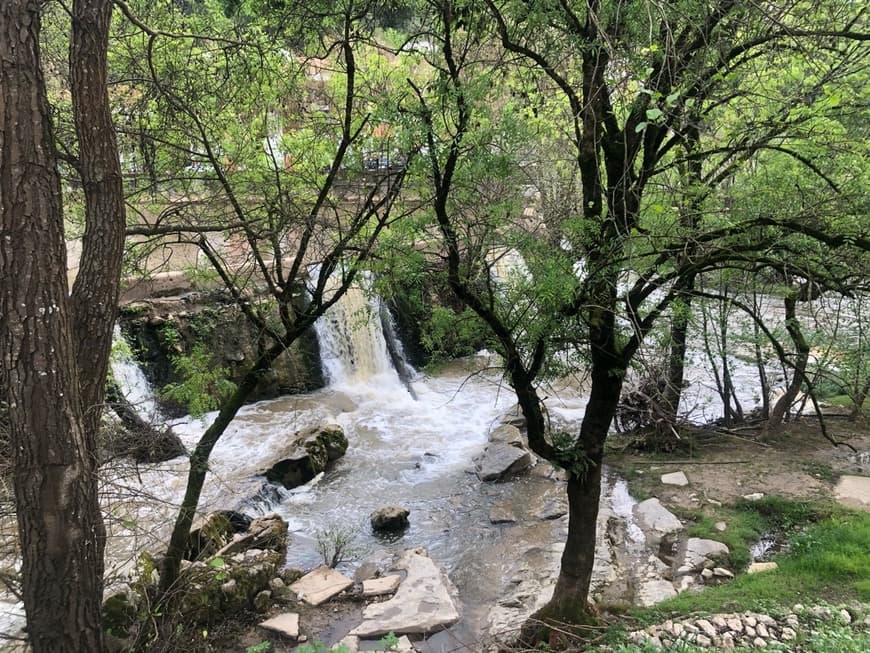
pixel 795 461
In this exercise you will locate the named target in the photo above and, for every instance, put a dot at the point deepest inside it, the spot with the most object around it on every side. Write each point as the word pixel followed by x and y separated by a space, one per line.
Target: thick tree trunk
pixel 97 285
pixel 60 527
pixel 570 602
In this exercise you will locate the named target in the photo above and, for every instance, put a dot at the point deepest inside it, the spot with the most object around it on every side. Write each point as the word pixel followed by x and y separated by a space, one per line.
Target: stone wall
pixel 160 329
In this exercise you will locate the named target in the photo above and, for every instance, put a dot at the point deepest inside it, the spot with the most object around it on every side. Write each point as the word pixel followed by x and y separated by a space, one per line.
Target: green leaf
pixel 217 563
pixel 654 114
pixel 640 127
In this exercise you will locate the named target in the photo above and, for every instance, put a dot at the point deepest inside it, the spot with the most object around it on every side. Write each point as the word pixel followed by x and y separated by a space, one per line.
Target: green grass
pixel 828 561
pixel 747 521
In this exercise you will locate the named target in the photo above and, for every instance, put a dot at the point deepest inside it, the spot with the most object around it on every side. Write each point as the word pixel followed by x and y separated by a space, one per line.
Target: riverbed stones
pixel 853 492
pixel 502 461
pixel 381 586
pixel 675 478
pixel 320 585
pixel 286 624
pixel 306 455
pixel 389 519
pixel 422 604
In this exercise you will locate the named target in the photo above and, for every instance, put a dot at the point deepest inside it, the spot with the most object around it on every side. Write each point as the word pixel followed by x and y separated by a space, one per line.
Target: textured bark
pixel 59 521
pixel 96 289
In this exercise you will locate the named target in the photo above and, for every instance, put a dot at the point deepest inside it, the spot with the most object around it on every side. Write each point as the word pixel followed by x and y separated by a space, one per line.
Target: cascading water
pixel 131 380
pixel 353 349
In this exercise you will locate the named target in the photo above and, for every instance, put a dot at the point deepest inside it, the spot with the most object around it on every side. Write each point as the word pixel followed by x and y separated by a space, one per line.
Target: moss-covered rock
pixel 307 454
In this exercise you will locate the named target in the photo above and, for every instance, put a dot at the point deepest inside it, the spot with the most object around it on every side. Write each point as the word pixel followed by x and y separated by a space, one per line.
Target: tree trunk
pixel 858 399
pixel 569 604
pixel 199 466
pixel 673 390
pixel 802 349
pixel 97 286
pixel 59 522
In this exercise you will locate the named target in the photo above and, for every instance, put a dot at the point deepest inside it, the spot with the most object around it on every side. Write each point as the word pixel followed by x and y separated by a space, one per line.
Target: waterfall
pixel 358 345
pixel 131 381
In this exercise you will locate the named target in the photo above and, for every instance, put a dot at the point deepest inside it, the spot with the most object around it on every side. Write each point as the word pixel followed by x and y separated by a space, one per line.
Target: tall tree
pixel 54 344
pixel 642 88
pixel 286 205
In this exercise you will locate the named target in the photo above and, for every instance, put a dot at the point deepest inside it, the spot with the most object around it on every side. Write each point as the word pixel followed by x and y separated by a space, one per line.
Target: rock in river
pixel 306 455
pixel 421 605
pixel 389 518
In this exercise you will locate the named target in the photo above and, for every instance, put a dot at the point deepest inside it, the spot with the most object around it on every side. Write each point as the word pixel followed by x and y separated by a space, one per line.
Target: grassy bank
pixel 826 561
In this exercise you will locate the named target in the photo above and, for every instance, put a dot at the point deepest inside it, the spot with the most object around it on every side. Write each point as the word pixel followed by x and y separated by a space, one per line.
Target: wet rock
pixel 389 518
pixel 307 454
pixel 286 624
pixel 675 478
pixel 422 603
pixel 501 461
pixel 320 585
pixel 507 434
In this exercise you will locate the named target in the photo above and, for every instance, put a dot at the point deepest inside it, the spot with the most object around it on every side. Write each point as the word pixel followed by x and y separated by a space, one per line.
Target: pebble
pixel 729 631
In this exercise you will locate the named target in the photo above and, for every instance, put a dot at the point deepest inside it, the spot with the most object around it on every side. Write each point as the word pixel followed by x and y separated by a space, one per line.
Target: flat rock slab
pixel 422 603
pixel 853 492
pixel 380 586
pixel 286 624
pixel 655 591
pixel 758 567
pixel 675 478
pixel 501 461
pixel 320 585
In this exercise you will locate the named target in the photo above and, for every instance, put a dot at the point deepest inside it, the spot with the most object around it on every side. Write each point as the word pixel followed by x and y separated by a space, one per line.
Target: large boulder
pixel 700 553
pixel 306 455
pixel 389 518
pixel 660 526
pixel 501 461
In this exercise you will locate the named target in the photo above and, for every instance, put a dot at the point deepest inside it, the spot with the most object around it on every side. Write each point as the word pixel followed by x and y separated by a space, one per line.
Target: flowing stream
pixel 412 443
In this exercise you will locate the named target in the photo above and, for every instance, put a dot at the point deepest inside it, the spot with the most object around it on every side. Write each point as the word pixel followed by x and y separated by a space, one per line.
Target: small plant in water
pixel 335 544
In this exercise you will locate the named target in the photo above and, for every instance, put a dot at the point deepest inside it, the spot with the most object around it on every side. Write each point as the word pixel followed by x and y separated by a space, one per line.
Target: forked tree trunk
pixel 802 349
pixel 59 522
